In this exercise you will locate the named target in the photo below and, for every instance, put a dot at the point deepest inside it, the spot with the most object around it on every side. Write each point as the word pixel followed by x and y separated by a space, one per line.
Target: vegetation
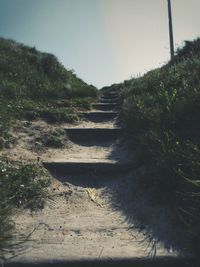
pixel 35 84
pixel 21 186
pixel 161 112
pixel 27 73
pixel 54 139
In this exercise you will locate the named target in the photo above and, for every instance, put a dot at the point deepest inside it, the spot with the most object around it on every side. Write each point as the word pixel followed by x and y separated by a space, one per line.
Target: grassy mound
pixel 161 112
pixel 28 73
pixel 35 84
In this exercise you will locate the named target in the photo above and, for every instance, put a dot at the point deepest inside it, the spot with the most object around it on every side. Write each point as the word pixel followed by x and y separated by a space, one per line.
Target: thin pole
pixel 171 38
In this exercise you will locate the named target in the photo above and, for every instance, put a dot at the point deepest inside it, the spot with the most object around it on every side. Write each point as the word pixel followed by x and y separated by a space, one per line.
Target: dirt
pixel 80 220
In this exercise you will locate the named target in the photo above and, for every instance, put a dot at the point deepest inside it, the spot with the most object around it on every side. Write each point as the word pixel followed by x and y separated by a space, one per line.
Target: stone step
pixel 110 94
pixel 92 135
pixel 104 167
pixel 109 100
pixel 105 106
pixel 96 116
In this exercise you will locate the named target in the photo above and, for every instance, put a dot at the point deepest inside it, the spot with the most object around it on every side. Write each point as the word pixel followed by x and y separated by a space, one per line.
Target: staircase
pixel 104 111
pixel 77 230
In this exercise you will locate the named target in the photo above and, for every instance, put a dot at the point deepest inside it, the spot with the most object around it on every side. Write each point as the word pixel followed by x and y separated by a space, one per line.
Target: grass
pixel 21 186
pixel 36 85
pixel 26 72
pixel 26 190
pixel 54 139
pixel 161 112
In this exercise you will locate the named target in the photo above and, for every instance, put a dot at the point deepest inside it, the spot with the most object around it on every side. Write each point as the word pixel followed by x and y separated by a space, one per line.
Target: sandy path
pixel 79 223
pixel 79 220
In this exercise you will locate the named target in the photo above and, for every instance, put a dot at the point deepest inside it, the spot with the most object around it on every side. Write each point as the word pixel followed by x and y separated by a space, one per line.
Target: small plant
pixel 54 139
pixel 26 189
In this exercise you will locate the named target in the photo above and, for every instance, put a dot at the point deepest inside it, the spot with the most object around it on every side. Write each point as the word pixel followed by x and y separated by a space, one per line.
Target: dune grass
pixel 35 84
pixel 161 112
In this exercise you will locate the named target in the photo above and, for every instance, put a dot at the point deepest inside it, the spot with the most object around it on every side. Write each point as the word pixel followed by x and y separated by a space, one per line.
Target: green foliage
pixel 189 50
pixel 161 111
pixel 25 72
pixel 21 187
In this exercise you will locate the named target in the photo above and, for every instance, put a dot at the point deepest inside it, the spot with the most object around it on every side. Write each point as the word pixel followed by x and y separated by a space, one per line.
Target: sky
pixel 103 41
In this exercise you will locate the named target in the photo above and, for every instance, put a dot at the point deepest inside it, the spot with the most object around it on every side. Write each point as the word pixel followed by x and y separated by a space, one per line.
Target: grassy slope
pixel 32 84
pixel 26 72
pixel 35 84
pixel 161 112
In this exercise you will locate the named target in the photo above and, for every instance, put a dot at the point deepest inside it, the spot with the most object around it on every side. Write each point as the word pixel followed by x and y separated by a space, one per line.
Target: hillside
pixel 160 111
pixel 26 72
pixel 35 84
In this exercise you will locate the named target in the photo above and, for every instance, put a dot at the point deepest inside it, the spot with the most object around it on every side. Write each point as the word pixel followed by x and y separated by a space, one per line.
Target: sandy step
pixel 92 134
pixel 90 124
pixel 106 167
pixel 98 116
pixel 105 106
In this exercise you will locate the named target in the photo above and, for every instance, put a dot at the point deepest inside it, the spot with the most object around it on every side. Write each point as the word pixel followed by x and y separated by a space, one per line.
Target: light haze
pixel 104 41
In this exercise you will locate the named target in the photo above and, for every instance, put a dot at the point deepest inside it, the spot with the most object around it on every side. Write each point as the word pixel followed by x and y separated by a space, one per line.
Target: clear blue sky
pixel 104 41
